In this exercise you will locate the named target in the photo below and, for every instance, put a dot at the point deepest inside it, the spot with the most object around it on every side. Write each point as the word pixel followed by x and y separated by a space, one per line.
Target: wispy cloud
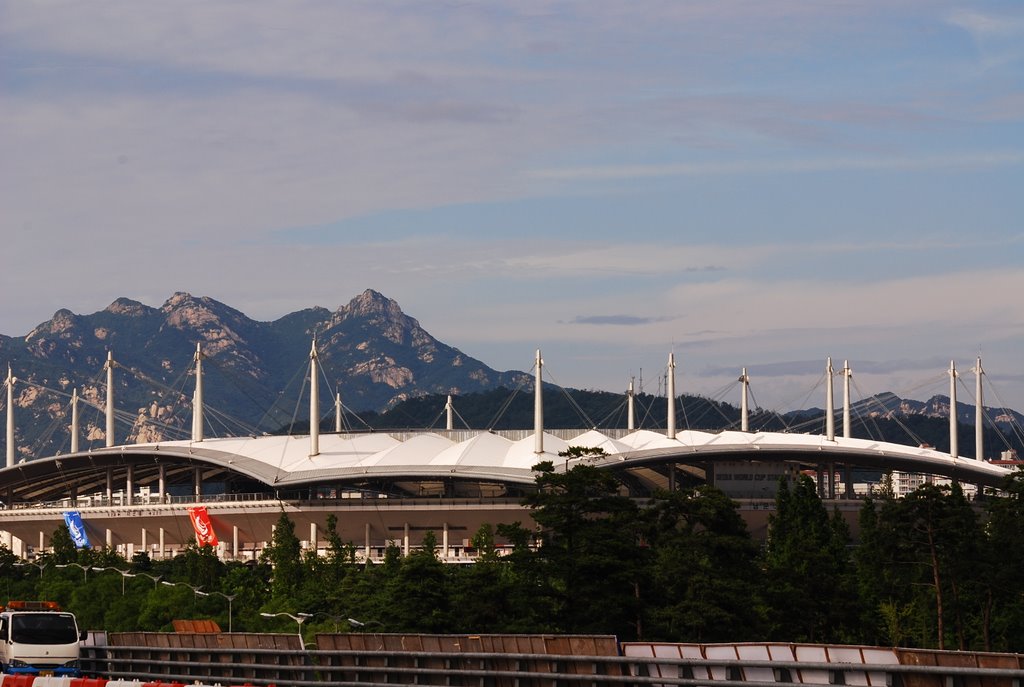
pixel 622 320
pixel 975 160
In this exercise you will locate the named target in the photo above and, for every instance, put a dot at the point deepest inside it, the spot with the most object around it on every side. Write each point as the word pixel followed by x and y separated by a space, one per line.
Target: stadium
pixel 391 488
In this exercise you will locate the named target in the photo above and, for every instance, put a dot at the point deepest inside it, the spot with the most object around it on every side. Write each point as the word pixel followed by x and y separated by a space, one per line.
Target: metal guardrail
pixel 315 668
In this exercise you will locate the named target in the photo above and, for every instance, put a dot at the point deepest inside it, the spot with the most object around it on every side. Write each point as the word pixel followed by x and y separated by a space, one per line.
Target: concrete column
pixel 129 485
pixel 74 421
pixel 671 419
pixel 405 540
pixel 830 409
pixel 848 480
pixel 143 541
pixel 73 495
pixel 197 397
pixel 671 476
pixel 954 448
pixel 197 483
pixel 234 542
pixel 832 481
pixel 42 542
pixel 744 409
pixel 313 538
pixel 110 399
pixel 367 538
pixel 110 485
pixel 538 408
pixel 979 415
pixel 630 408
pixel 314 404
pixel 162 484
pixel 847 426
pixel 110 539
pixel 10 418
pixel 444 541
pixel 160 554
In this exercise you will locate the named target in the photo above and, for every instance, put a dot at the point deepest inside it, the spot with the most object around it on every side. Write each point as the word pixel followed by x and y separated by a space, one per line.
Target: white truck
pixel 38 638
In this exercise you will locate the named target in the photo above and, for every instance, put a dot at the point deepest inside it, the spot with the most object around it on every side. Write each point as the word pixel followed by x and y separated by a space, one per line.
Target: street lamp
pixel 334 618
pixel 229 597
pixel 363 623
pixel 124 575
pixel 41 566
pixel 155 578
pixel 181 584
pixel 195 590
pixel 85 568
pixel 300 618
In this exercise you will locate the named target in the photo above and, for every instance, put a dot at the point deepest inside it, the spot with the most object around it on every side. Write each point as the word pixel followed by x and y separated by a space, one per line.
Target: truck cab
pixel 38 638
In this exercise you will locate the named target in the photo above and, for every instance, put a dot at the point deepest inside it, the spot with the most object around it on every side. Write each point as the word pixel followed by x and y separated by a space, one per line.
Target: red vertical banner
pixel 202 526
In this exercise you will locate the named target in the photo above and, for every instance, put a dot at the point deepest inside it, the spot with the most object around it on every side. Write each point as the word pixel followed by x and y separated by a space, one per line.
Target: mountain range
pixel 254 372
pixel 382 362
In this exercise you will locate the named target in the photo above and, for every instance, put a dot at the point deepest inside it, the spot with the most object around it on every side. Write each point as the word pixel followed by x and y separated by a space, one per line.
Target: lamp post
pixel 299 619
pixel 229 597
pixel 124 574
pixel 363 623
pixel 84 568
pixel 155 578
pixel 41 566
pixel 333 618
pixel 195 590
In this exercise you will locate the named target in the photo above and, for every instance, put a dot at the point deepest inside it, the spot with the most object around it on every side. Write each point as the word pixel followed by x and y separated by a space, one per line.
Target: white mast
pixel 630 415
pixel 10 417
pixel 979 414
pixel 110 398
pixel 449 411
pixel 314 404
pixel 197 398
pixel 954 448
pixel 538 408
pixel 337 412
pixel 847 374
pixel 671 395
pixel 830 410
pixel 74 420
pixel 744 410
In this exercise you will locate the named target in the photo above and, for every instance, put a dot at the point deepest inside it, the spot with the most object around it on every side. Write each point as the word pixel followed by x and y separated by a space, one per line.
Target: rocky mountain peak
pixel 177 300
pixel 184 311
pixel 370 303
pixel 129 308
pixel 63 322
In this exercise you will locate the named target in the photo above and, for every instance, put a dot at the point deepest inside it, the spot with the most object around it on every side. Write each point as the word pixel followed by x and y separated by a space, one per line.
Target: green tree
pixel 64 550
pixel 704 569
pixel 810 588
pixel 284 554
pixel 589 549
pixel 1004 555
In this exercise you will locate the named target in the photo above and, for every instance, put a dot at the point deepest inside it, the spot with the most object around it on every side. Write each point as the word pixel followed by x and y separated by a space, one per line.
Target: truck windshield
pixel 43 628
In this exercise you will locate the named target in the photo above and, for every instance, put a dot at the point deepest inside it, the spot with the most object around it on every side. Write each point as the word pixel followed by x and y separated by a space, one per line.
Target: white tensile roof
pixel 483 455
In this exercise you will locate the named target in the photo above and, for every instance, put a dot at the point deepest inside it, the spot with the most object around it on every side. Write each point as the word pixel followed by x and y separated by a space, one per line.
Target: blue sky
pixel 744 183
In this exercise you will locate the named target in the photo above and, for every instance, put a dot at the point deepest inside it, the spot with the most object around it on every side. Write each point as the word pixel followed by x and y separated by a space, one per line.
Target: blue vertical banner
pixel 76 528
